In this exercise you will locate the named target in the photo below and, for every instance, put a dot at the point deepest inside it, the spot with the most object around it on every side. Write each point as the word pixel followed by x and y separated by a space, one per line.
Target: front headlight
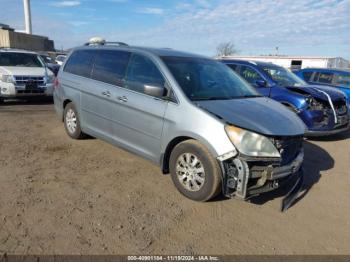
pixel 7 78
pixel 251 144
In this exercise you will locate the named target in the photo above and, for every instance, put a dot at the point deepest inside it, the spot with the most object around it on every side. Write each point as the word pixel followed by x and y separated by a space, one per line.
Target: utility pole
pixel 27 16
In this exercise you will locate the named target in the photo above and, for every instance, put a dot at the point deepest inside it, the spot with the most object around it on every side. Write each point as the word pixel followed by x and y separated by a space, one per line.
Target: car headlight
pixel 250 143
pixel 50 79
pixel 7 78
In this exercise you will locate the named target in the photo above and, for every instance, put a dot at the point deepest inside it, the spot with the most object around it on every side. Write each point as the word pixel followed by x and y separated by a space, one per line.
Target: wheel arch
pixel 65 103
pixel 165 157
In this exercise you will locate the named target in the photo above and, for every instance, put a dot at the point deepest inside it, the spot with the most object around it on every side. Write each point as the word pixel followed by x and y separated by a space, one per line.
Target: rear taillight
pixel 56 83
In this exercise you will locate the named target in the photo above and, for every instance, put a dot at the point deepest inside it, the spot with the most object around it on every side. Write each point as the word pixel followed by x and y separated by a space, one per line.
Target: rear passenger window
pixel 110 66
pixel 80 63
pixel 307 76
pixel 142 71
pixel 325 78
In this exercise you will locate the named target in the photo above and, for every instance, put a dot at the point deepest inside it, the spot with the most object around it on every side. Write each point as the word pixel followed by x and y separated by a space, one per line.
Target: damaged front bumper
pixel 246 177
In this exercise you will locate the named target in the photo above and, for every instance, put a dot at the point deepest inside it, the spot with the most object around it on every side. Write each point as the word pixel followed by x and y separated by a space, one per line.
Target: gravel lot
pixel 60 196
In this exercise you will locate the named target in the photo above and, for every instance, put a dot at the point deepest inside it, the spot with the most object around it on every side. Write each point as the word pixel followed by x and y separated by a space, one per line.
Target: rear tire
pixel 194 171
pixel 71 122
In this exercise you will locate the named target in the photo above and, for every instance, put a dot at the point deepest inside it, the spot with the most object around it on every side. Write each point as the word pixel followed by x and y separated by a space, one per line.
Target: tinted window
pixel 206 79
pixel 250 75
pixel 20 59
pixel 80 63
pixel 142 71
pixel 325 78
pixel 307 75
pixel 110 66
pixel 233 67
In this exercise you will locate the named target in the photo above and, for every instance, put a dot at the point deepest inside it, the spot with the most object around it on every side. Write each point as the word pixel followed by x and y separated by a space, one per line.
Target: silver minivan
pixel 189 114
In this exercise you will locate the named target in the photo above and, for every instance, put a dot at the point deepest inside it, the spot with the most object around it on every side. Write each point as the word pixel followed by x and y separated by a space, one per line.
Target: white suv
pixel 23 74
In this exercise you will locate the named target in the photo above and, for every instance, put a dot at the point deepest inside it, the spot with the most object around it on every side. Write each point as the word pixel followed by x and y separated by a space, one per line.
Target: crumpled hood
pixel 261 115
pixel 20 71
pixel 313 90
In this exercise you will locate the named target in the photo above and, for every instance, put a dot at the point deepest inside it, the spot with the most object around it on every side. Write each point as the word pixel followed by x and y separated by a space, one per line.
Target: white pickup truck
pixel 23 74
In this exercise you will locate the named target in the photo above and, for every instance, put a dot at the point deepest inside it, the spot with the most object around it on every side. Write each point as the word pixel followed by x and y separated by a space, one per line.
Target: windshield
pixel 283 76
pixel 206 79
pixel 20 59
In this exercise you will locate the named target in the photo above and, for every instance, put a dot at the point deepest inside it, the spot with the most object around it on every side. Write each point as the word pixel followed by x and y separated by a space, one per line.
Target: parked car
pixel 23 74
pixel 338 78
pixel 323 109
pixel 60 59
pixel 50 63
pixel 189 114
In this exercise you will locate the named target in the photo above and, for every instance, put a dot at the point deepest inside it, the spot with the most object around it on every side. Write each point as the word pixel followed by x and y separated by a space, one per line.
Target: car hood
pixel 314 90
pixel 20 71
pixel 261 115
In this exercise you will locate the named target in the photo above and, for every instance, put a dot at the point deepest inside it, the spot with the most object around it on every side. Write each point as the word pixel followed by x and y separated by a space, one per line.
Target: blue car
pixel 338 78
pixel 323 109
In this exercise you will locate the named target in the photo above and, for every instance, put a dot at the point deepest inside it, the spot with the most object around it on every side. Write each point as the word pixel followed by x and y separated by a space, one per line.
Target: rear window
pixel 20 59
pixel 80 63
pixel 110 66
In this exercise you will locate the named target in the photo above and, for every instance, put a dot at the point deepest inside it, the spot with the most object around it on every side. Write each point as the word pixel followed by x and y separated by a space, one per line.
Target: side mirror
pixel 261 83
pixel 154 90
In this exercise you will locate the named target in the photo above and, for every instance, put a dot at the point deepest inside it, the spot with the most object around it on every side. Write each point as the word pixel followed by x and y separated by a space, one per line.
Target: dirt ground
pixel 60 196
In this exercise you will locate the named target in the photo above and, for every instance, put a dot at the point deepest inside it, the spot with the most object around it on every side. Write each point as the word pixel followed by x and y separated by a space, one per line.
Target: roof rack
pixel 107 43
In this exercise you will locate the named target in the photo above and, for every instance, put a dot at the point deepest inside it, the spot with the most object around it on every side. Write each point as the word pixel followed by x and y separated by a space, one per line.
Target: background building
pixel 298 62
pixel 10 38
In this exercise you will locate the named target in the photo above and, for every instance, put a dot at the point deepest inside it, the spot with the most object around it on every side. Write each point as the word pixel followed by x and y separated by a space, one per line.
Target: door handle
pixel 122 98
pixel 106 93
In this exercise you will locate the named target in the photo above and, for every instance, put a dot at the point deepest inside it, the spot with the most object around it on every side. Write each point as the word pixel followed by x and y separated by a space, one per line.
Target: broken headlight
pixel 250 143
pixel 313 104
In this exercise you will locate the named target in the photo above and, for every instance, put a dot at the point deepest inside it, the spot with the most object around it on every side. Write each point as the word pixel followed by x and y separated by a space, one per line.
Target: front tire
pixel 72 123
pixel 194 171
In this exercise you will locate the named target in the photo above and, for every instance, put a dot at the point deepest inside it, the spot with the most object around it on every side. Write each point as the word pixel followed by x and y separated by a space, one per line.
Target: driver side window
pixel 250 75
pixel 142 71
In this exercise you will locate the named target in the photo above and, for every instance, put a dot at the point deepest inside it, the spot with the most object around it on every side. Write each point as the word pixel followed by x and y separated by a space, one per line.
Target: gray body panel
pixel 258 115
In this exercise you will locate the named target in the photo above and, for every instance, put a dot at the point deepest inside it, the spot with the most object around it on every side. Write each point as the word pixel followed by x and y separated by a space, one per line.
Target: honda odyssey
pixel 189 114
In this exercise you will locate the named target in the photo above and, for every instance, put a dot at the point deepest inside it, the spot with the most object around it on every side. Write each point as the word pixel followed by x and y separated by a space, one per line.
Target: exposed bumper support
pixel 243 182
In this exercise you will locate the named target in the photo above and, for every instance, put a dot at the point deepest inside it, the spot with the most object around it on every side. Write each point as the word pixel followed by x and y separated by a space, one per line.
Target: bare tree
pixel 226 49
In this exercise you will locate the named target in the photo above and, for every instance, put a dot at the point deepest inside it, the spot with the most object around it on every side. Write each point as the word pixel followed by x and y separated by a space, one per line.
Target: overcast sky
pixel 297 27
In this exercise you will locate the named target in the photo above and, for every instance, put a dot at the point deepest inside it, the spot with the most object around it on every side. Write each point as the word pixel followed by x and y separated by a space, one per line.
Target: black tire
pixel 212 182
pixel 77 134
pixel 1 100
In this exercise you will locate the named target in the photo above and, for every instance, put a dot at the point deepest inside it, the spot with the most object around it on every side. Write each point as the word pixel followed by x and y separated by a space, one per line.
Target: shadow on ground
pixel 316 160
pixel 337 137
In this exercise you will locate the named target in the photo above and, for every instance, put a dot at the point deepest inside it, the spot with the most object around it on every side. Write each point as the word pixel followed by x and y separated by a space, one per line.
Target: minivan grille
pixel 289 148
